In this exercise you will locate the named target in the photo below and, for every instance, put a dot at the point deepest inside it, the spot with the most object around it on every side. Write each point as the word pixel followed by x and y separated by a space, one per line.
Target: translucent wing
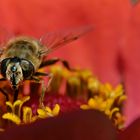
pixel 55 40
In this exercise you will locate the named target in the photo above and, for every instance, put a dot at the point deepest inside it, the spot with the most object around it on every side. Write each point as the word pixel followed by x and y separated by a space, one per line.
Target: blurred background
pixel 111 50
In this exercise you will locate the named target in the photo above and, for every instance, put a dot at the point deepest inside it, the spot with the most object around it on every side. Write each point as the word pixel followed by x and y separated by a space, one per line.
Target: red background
pixel 114 39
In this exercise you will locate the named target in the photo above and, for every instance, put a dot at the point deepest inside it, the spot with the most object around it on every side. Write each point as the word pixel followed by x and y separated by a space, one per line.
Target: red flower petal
pixel 80 125
pixel 132 132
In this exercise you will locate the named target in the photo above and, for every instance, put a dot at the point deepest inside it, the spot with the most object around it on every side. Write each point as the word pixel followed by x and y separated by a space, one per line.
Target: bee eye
pixel 3 66
pixel 27 68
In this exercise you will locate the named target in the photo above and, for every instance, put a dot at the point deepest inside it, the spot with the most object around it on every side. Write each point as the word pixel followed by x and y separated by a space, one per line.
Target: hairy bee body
pixel 24 48
pixel 22 56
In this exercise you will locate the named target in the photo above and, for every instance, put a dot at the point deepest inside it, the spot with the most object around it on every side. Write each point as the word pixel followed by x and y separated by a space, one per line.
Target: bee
pixel 22 56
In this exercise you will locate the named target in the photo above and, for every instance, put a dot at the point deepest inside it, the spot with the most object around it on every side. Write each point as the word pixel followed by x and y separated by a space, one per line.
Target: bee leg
pixel 5 94
pixel 16 94
pixel 36 79
pixel 41 100
pixel 55 60
pixel 44 89
pixel 41 74
pixel 49 62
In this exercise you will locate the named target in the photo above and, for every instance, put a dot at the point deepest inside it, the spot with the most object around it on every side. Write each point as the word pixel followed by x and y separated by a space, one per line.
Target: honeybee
pixel 22 56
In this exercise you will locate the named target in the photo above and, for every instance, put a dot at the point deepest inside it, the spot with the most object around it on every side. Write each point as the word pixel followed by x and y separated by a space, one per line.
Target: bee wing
pixel 54 40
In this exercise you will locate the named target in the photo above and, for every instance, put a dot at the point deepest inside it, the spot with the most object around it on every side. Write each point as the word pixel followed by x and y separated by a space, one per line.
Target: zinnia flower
pixel 117 31
pixel 69 95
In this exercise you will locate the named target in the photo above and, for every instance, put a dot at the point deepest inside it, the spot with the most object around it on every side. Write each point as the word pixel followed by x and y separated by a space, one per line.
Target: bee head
pixel 16 70
pixel 14 74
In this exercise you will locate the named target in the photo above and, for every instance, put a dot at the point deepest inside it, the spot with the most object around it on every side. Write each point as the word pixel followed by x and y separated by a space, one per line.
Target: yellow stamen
pixel 27 114
pixel 56 110
pixel 12 117
pixel 47 112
